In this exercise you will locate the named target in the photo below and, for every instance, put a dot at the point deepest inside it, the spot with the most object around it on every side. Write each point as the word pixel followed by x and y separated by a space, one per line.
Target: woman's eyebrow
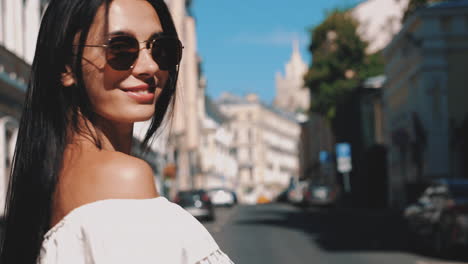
pixel 156 34
pixel 120 33
pixel 128 33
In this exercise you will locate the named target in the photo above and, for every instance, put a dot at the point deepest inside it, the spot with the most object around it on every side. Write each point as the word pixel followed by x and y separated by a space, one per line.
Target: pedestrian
pixel 76 195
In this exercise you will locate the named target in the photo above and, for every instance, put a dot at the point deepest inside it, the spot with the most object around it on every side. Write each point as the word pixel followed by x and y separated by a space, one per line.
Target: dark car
pixel 440 216
pixel 197 203
pixel 321 194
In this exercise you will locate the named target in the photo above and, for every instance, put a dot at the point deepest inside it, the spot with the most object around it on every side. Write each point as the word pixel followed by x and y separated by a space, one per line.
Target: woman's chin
pixel 140 117
pixel 132 115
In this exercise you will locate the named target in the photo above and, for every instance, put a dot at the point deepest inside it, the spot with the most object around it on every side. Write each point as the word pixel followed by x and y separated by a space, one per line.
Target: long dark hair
pixel 49 112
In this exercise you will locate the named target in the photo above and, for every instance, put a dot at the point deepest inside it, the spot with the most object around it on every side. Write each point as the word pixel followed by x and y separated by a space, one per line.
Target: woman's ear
pixel 68 78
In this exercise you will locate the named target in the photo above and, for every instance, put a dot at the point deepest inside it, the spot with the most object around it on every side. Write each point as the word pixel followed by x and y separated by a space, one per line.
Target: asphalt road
pixel 281 233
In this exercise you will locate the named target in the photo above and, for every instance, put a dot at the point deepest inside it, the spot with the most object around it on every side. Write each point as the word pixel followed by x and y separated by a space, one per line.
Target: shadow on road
pixel 342 229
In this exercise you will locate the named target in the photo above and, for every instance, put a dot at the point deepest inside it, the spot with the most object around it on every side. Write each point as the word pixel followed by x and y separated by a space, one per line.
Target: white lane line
pixel 436 262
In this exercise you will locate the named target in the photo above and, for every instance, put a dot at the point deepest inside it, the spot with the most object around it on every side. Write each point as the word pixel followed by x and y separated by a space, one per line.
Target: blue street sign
pixel 343 150
pixel 343 157
pixel 324 156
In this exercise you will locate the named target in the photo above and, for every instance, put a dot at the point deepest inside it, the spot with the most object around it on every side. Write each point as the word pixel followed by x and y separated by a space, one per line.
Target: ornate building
pixel 265 144
pixel 291 95
pixel 424 98
pixel 218 161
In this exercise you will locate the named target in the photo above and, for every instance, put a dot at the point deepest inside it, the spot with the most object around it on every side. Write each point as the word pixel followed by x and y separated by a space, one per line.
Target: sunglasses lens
pixel 167 52
pixel 122 51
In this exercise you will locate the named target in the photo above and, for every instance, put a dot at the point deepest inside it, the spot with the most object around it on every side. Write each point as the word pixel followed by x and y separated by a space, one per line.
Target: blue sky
pixel 244 43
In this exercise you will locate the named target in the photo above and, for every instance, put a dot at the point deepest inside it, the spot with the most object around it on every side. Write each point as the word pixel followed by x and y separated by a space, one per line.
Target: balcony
pixel 14 74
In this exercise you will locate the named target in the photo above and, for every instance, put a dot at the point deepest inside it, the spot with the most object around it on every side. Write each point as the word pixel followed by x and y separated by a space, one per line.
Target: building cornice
pixel 411 25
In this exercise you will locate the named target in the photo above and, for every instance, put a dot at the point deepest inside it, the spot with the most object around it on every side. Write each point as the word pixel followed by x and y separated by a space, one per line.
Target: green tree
pixel 339 62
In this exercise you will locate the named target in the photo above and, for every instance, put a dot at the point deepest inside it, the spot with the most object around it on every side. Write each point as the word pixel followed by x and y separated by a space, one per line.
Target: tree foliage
pixel 339 62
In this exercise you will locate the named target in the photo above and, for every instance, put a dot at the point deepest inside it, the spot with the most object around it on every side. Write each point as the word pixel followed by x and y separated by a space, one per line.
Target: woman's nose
pixel 145 64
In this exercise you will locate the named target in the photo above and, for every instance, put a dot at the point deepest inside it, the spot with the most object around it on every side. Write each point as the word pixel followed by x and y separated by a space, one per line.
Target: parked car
pixel 296 193
pixel 197 203
pixel 282 196
pixel 440 216
pixel 321 194
pixel 222 197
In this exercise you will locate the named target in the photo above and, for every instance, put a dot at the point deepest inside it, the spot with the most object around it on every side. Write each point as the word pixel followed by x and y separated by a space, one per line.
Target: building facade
pixel 265 144
pixel 185 131
pixel 316 138
pixel 19 27
pixel 424 98
pixel 219 167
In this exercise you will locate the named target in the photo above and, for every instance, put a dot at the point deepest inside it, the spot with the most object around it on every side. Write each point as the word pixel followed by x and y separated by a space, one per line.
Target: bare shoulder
pixel 118 175
pixel 91 176
pixel 111 175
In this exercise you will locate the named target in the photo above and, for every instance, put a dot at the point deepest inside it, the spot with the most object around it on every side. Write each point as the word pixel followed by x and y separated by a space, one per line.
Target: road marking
pixel 437 262
pixel 219 226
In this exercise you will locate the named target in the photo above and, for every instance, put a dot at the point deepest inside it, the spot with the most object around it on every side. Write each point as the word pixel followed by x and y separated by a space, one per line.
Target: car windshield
pixel 190 195
pixel 459 190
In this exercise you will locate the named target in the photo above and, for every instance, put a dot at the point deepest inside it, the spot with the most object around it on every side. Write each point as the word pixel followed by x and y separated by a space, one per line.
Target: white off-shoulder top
pixel 136 231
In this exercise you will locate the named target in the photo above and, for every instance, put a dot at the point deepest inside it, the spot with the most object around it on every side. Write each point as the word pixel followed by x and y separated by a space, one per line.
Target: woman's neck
pixel 115 136
pixel 111 135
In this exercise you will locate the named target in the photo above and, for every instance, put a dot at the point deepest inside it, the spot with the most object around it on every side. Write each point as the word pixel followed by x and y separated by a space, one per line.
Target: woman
pixel 76 195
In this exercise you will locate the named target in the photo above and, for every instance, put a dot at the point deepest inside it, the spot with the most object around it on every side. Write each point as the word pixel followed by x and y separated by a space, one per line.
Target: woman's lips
pixel 143 94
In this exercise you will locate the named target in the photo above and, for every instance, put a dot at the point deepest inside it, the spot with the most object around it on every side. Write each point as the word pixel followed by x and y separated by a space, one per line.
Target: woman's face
pixel 125 96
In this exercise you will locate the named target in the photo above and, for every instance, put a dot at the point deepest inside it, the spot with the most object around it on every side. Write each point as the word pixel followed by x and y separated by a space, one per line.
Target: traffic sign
pixel 343 150
pixel 343 155
pixel 324 156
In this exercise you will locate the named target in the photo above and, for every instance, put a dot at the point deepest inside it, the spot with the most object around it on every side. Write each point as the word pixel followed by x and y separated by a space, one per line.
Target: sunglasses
pixel 122 51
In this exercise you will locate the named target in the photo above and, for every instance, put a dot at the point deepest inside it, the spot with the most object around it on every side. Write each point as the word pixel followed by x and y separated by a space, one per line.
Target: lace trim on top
pixel 217 257
pixel 70 214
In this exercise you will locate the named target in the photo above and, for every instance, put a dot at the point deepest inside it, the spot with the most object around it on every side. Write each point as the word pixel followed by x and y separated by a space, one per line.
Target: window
pixel 466 23
pixel 233 151
pixel 250 135
pixel 284 169
pixel 446 24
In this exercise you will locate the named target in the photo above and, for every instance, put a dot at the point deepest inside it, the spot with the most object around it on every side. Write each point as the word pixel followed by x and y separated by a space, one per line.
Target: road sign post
pixel 344 165
pixel 347 184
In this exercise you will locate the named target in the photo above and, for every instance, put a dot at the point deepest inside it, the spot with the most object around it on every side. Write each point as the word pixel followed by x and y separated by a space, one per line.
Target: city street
pixel 281 233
